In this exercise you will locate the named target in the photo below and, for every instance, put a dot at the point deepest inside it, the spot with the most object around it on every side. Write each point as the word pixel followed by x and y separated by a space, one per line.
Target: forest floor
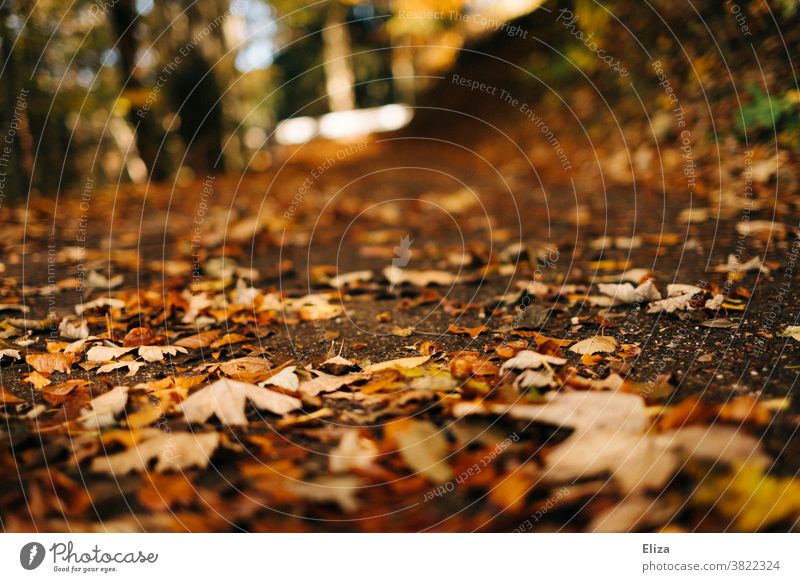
pixel 449 330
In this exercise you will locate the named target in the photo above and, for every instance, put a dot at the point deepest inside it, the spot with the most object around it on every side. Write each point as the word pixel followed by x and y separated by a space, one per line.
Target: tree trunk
pixel 149 138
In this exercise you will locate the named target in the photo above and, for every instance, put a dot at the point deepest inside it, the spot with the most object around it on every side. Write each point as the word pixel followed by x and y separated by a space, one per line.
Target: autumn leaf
pixel 51 362
pixel 105 407
pixel 200 340
pixel 423 447
pixel 6 398
pixel 173 451
pixel 472 332
pixel 593 345
pixel 226 400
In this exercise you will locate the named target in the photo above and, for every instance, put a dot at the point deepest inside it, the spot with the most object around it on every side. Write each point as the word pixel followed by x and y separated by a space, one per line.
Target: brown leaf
pixel 57 393
pixel 37 380
pixel 472 332
pixel 139 336
pixel 247 369
pixel 228 339
pixel 200 340
pixel 48 363
pixel 6 398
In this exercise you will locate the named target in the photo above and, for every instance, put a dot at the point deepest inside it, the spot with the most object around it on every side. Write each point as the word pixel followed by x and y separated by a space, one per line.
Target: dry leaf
pixel 472 332
pixel 397 276
pixel 157 353
pixel 286 379
pixel 173 451
pixel 105 353
pixel 626 294
pixel 328 383
pixel 530 360
pixel 593 345
pixel 105 407
pixel 200 340
pixel 49 363
pixel 226 400
pixel 6 398
pixel 423 447
pixel 407 363
pixel 352 452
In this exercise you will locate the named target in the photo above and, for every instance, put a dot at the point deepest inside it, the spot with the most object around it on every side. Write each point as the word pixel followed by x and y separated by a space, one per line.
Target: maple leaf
pixel 226 400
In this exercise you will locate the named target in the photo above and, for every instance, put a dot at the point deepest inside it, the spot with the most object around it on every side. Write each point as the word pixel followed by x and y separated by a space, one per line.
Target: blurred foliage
pixel 769 115
pixel 215 77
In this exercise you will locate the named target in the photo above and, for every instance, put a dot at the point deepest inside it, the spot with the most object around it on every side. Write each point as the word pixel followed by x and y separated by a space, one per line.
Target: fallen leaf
pixel 73 328
pixel 626 294
pixel 51 362
pixel 157 353
pixel 173 451
pixel 200 340
pixel 346 279
pixel 397 276
pixel 37 380
pixel 793 331
pixel 719 323
pixel 139 336
pixel 105 407
pixel 286 379
pixel 6 398
pixel 132 365
pixel 423 447
pixel 328 383
pixel 352 452
pixel 339 489
pixel 411 362
pixel 530 360
pixel 593 345
pixel 472 332
pixel 226 400
pixel 105 353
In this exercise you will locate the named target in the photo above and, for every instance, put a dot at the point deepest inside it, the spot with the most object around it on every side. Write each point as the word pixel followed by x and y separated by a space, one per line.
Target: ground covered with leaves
pixel 463 327
pixel 369 366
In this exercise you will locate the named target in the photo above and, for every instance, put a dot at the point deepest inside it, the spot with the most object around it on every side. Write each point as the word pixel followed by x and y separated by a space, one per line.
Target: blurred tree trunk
pixel 336 55
pixel 14 109
pixel 149 138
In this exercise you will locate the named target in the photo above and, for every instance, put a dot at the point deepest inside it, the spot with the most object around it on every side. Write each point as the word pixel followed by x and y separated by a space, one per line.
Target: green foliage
pixel 768 115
